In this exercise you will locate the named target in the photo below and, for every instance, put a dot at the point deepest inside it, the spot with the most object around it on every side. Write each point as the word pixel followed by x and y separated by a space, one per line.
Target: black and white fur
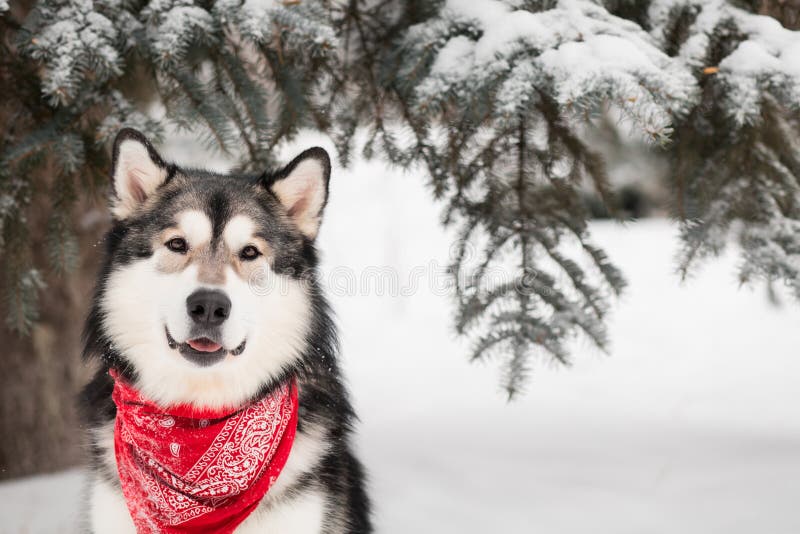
pixel 139 325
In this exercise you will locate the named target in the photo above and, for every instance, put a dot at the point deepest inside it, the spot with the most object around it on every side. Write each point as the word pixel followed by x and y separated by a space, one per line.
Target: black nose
pixel 207 307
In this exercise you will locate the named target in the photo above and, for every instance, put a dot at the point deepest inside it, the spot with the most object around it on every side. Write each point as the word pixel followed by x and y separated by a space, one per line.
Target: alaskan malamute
pixel 213 336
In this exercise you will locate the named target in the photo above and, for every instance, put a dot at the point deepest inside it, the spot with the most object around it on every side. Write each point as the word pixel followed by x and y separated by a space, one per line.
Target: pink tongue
pixel 203 344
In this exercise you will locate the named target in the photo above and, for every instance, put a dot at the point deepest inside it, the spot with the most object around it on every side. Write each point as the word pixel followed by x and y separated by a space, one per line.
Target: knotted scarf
pixel 187 470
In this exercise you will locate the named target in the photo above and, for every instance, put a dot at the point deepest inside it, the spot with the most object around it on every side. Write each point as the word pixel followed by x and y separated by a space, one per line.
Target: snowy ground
pixel 691 425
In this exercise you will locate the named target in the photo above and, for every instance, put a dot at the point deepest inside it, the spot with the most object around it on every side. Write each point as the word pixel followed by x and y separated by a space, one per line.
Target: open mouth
pixel 203 351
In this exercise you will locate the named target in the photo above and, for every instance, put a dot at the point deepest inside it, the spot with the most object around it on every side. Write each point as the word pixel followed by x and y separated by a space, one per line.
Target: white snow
pixel 501 25
pixel 777 41
pixel 750 57
pixel 613 64
pixel 586 53
pixel 42 504
pixel 260 5
pixel 175 28
pixel 597 52
pixel 79 37
pixel 590 56
pixel 770 49
pixel 770 55
pixel 790 57
pixel 455 58
pixel 691 425
pixel 255 17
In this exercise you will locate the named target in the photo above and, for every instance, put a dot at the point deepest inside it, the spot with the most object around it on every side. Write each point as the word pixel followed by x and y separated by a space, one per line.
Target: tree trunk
pixel 42 373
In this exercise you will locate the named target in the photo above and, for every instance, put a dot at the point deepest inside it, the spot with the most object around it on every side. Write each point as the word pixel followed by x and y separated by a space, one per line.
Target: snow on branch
pixel 577 51
pixel 80 41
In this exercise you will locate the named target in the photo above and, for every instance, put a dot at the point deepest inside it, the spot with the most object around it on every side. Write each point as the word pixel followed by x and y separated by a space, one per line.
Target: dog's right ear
pixel 136 172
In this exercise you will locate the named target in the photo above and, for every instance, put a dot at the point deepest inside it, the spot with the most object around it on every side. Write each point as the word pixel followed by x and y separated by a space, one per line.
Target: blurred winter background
pixel 689 425
pixel 688 421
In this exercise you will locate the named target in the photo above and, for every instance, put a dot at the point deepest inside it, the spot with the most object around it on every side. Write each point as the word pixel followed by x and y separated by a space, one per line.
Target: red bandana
pixel 185 470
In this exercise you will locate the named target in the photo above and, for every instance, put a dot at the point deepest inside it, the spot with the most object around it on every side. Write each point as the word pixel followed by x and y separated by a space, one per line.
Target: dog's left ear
pixel 302 188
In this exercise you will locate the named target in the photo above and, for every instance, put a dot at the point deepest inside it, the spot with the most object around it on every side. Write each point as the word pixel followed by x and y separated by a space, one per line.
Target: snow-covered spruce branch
pixel 491 97
pixel 710 81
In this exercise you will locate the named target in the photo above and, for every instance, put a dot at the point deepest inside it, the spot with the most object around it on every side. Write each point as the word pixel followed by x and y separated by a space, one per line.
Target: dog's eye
pixel 249 253
pixel 177 244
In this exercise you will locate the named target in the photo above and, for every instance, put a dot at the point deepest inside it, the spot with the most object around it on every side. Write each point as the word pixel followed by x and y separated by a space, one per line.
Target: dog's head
pixel 207 292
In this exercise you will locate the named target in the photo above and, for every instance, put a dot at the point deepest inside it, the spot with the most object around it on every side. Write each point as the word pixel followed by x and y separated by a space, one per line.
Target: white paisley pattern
pixel 232 463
